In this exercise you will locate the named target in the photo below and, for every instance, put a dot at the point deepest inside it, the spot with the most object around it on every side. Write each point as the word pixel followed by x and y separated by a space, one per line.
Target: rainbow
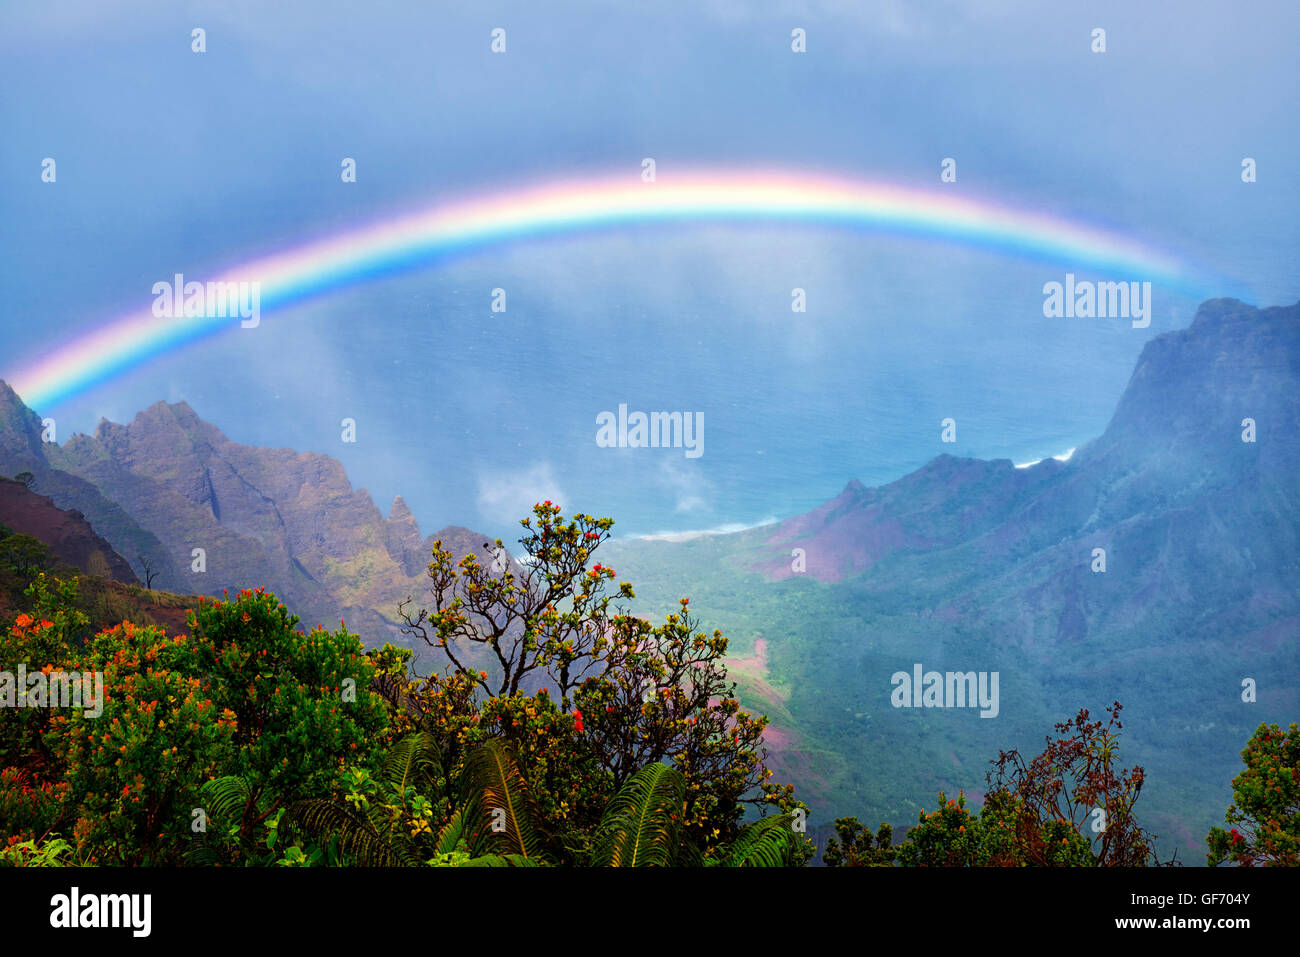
pixel 575 207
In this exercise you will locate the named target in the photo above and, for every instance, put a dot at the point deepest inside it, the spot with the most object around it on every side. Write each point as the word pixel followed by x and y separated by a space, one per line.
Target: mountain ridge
pixel 168 482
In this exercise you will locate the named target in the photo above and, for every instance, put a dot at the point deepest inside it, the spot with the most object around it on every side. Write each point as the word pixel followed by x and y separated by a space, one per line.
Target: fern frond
pixel 498 795
pixel 504 860
pixel 769 842
pixel 413 761
pixel 225 798
pixel 451 833
pixel 358 840
pixel 642 825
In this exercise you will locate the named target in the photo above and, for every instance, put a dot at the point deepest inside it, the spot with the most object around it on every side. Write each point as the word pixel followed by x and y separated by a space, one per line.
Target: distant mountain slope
pixel 1196 523
pixel 71 538
pixel 168 483
pixel 968 564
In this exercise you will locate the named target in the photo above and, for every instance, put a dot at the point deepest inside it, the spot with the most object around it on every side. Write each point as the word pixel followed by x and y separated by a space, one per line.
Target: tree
pixel 1076 788
pixel 27 478
pixel 855 846
pixel 554 622
pixel 614 693
pixel 147 567
pixel 1265 802
pixel 1071 806
pixel 1001 834
pixel 44 641
pixel 24 555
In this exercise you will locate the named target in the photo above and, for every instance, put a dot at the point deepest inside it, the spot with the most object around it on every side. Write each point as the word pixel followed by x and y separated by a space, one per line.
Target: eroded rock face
pixel 168 483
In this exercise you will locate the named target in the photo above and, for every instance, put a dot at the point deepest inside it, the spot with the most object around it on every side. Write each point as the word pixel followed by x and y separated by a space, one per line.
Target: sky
pixel 174 161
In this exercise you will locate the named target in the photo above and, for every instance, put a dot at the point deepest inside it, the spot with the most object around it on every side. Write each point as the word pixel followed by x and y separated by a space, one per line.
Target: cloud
pixel 691 491
pixel 506 497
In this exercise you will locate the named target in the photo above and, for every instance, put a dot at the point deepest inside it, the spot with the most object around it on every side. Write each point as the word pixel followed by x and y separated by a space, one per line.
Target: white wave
pixel 727 529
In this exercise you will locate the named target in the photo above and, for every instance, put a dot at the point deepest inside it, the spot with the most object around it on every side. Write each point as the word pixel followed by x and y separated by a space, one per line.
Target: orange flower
pixel 23 621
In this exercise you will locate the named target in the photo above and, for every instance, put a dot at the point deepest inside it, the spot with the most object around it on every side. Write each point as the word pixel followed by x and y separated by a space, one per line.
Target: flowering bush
pixel 302 703
pixel 1265 803
pixel 133 772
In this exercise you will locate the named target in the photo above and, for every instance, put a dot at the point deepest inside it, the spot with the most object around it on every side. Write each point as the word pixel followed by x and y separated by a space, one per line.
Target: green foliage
pixel 24 555
pixel 855 847
pixel 52 853
pixel 768 842
pixel 301 702
pixel 953 836
pixel 950 837
pixel 595 736
pixel 498 796
pixel 412 813
pixel 1265 802
pixel 30 808
pixel 356 836
pixel 58 601
pixel 232 723
pixel 644 827
pixel 42 642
